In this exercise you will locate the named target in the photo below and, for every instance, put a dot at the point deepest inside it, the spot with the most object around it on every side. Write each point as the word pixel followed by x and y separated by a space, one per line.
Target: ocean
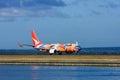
pixel 84 51
pixel 13 72
pixel 58 73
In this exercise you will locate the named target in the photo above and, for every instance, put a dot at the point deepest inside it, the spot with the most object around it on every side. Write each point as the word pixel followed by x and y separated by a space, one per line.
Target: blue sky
pixel 93 23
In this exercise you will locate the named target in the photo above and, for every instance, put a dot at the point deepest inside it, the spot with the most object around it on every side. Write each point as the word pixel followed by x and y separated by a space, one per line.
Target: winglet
pixel 19 44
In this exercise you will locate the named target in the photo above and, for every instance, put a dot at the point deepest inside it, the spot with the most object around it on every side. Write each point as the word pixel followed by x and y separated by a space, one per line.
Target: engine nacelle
pixel 52 51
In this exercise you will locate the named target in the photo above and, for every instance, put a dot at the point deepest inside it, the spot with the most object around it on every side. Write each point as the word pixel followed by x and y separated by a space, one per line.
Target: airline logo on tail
pixel 35 40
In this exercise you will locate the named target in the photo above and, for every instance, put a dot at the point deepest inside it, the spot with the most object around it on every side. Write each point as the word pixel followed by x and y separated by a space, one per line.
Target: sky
pixel 93 23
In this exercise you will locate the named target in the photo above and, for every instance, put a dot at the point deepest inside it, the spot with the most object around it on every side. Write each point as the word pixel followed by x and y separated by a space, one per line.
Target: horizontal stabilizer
pixel 21 45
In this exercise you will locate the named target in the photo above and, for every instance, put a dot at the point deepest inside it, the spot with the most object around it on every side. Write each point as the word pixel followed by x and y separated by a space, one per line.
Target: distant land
pixel 84 51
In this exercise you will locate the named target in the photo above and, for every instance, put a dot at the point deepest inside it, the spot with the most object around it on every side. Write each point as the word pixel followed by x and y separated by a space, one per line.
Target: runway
pixel 61 60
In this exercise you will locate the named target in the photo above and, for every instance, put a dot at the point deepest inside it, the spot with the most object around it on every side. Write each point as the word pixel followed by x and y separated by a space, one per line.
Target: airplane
pixel 52 48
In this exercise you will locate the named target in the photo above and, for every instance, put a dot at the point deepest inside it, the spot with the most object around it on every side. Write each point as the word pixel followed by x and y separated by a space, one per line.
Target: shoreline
pixel 61 60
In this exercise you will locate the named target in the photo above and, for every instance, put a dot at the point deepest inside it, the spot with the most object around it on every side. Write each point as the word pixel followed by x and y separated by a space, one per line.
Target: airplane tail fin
pixel 35 40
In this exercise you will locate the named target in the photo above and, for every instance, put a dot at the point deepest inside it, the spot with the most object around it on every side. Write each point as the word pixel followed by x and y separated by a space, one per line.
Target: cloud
pixel 30 3
pixel 110 4
pixel 95 12
pixel 11 9
pixel 2 19
pixel 95 7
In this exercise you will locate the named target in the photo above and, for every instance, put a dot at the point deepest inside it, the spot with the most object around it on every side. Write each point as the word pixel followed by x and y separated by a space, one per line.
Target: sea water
pixel 58 73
